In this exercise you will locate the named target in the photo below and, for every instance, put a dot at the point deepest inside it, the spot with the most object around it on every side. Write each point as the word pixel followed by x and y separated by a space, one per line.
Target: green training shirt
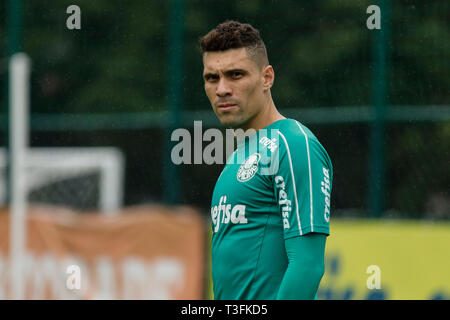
pixel 274 186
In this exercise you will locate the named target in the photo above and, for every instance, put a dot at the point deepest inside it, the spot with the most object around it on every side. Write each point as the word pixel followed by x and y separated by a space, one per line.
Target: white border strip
pixel 310 176
pixel 293 182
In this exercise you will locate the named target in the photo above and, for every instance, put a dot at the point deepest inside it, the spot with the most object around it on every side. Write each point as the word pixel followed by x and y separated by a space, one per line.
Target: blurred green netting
pixel 323 55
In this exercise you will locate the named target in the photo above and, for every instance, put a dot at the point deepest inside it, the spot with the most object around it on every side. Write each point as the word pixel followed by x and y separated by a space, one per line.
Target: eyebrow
pixel 209 75
pixel 227 73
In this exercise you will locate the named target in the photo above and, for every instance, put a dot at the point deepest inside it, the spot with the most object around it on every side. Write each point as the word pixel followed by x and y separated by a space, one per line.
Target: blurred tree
pixel 115 63
pixel 321 52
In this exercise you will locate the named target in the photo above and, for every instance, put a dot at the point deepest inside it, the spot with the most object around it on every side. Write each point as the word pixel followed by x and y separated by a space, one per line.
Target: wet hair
pixel 235 35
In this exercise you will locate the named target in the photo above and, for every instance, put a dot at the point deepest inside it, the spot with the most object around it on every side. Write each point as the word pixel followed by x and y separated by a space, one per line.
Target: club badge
pixel 248 169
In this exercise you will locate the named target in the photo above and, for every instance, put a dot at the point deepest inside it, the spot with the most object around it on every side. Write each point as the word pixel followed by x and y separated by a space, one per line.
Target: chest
pixel 243 193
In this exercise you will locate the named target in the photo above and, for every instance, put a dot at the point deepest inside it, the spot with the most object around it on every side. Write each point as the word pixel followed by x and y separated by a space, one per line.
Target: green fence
pixel 377 99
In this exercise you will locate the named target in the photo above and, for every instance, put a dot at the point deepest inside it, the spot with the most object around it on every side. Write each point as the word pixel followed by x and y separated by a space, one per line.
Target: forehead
pixel 226 60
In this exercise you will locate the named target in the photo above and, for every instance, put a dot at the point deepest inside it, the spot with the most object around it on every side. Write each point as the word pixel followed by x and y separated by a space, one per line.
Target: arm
pixel 302 185
pixel 303 189
pixel 305 269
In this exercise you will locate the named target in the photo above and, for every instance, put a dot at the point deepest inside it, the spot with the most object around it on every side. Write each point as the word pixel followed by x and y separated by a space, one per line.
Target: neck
pixel 268 115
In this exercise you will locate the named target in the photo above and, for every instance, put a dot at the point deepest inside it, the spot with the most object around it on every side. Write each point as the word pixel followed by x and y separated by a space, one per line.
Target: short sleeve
pixel 302 183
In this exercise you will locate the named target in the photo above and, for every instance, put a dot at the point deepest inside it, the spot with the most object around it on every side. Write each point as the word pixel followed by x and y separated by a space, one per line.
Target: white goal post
pixel 34 168
pixel 55 165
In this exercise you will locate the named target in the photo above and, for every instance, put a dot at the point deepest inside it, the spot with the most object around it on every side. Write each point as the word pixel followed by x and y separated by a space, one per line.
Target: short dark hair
pixel 234 35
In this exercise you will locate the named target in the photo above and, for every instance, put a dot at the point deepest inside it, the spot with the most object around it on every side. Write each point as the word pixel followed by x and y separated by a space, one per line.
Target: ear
pixel 269 77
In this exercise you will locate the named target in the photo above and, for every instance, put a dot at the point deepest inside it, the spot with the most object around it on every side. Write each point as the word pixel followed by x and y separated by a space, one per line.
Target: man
pixel 269 226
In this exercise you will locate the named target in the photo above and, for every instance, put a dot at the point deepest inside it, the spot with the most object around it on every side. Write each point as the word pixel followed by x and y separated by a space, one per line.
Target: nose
pixel 223 88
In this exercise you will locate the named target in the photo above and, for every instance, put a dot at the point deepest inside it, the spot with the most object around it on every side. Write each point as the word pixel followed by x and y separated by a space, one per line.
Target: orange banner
pixel 150 252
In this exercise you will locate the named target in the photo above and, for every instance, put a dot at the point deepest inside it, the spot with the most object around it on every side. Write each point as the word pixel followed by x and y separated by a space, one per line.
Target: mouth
pixel 226 106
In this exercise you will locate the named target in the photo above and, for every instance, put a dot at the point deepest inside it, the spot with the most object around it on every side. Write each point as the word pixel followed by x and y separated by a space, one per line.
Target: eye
pixel 211 77
pixel 236 74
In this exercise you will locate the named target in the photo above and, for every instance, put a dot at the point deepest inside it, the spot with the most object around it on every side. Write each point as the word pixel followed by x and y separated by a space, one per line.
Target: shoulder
pixel 300 141
pixel 291 131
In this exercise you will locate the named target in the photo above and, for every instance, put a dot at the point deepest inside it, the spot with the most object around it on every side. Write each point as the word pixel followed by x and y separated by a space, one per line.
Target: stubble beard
pixel 233 121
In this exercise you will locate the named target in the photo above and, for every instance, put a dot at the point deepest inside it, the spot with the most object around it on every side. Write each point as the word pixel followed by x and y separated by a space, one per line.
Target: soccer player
pixel 271 209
